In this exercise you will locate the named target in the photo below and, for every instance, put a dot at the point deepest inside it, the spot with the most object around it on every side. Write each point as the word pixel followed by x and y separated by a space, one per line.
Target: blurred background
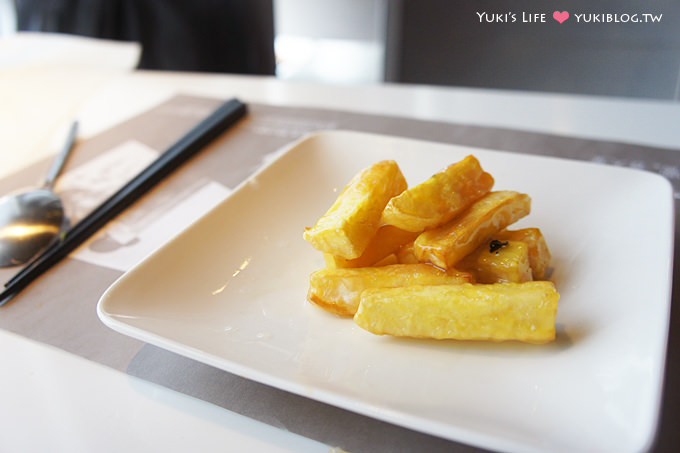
pixel 434 42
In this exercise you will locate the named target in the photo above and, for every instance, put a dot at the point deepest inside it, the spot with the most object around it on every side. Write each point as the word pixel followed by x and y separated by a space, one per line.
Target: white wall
pixel 332 41
pixel 334 19
pixel 8 23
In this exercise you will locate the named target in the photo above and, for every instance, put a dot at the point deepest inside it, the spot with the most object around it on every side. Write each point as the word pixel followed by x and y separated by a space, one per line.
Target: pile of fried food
pixel 435 260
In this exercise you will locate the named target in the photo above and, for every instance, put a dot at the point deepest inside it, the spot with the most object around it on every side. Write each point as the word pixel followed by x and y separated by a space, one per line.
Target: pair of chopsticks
pixel 210 128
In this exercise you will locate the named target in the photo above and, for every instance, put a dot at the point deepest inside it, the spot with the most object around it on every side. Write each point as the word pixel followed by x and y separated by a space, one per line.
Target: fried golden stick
pixel 406 255
pixel 440 198
pixel 387 240
pixel 448 244
pixel 348 226
pixel 498 262
pixel 539 254
pixel 498 312
pixel 339 290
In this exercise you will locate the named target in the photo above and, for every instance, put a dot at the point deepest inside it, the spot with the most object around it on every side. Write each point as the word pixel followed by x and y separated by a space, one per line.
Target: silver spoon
pixel 29 221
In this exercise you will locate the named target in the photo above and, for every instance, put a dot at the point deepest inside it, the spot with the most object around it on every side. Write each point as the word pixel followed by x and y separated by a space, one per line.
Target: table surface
pixel 78 405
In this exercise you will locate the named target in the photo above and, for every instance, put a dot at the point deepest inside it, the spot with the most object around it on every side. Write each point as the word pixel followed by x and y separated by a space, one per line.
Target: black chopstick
pixel 206 131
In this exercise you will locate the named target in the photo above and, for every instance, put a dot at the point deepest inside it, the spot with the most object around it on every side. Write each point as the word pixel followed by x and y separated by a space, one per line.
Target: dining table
pixel 71 383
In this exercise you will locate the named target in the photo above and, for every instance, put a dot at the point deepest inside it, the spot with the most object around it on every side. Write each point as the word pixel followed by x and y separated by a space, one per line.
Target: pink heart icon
pixel 560 16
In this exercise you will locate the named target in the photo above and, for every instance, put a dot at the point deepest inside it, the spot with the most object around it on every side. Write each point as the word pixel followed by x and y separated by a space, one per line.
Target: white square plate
pixel 230 292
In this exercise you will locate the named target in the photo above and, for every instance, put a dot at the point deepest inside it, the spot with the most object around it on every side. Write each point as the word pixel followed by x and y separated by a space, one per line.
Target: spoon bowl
pixel 30 221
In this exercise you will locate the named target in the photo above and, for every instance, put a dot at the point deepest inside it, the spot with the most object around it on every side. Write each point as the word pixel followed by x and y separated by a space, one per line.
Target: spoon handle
pixel 61 158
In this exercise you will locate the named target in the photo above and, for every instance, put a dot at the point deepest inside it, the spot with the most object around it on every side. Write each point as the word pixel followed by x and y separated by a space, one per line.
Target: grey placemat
pixel 59 308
